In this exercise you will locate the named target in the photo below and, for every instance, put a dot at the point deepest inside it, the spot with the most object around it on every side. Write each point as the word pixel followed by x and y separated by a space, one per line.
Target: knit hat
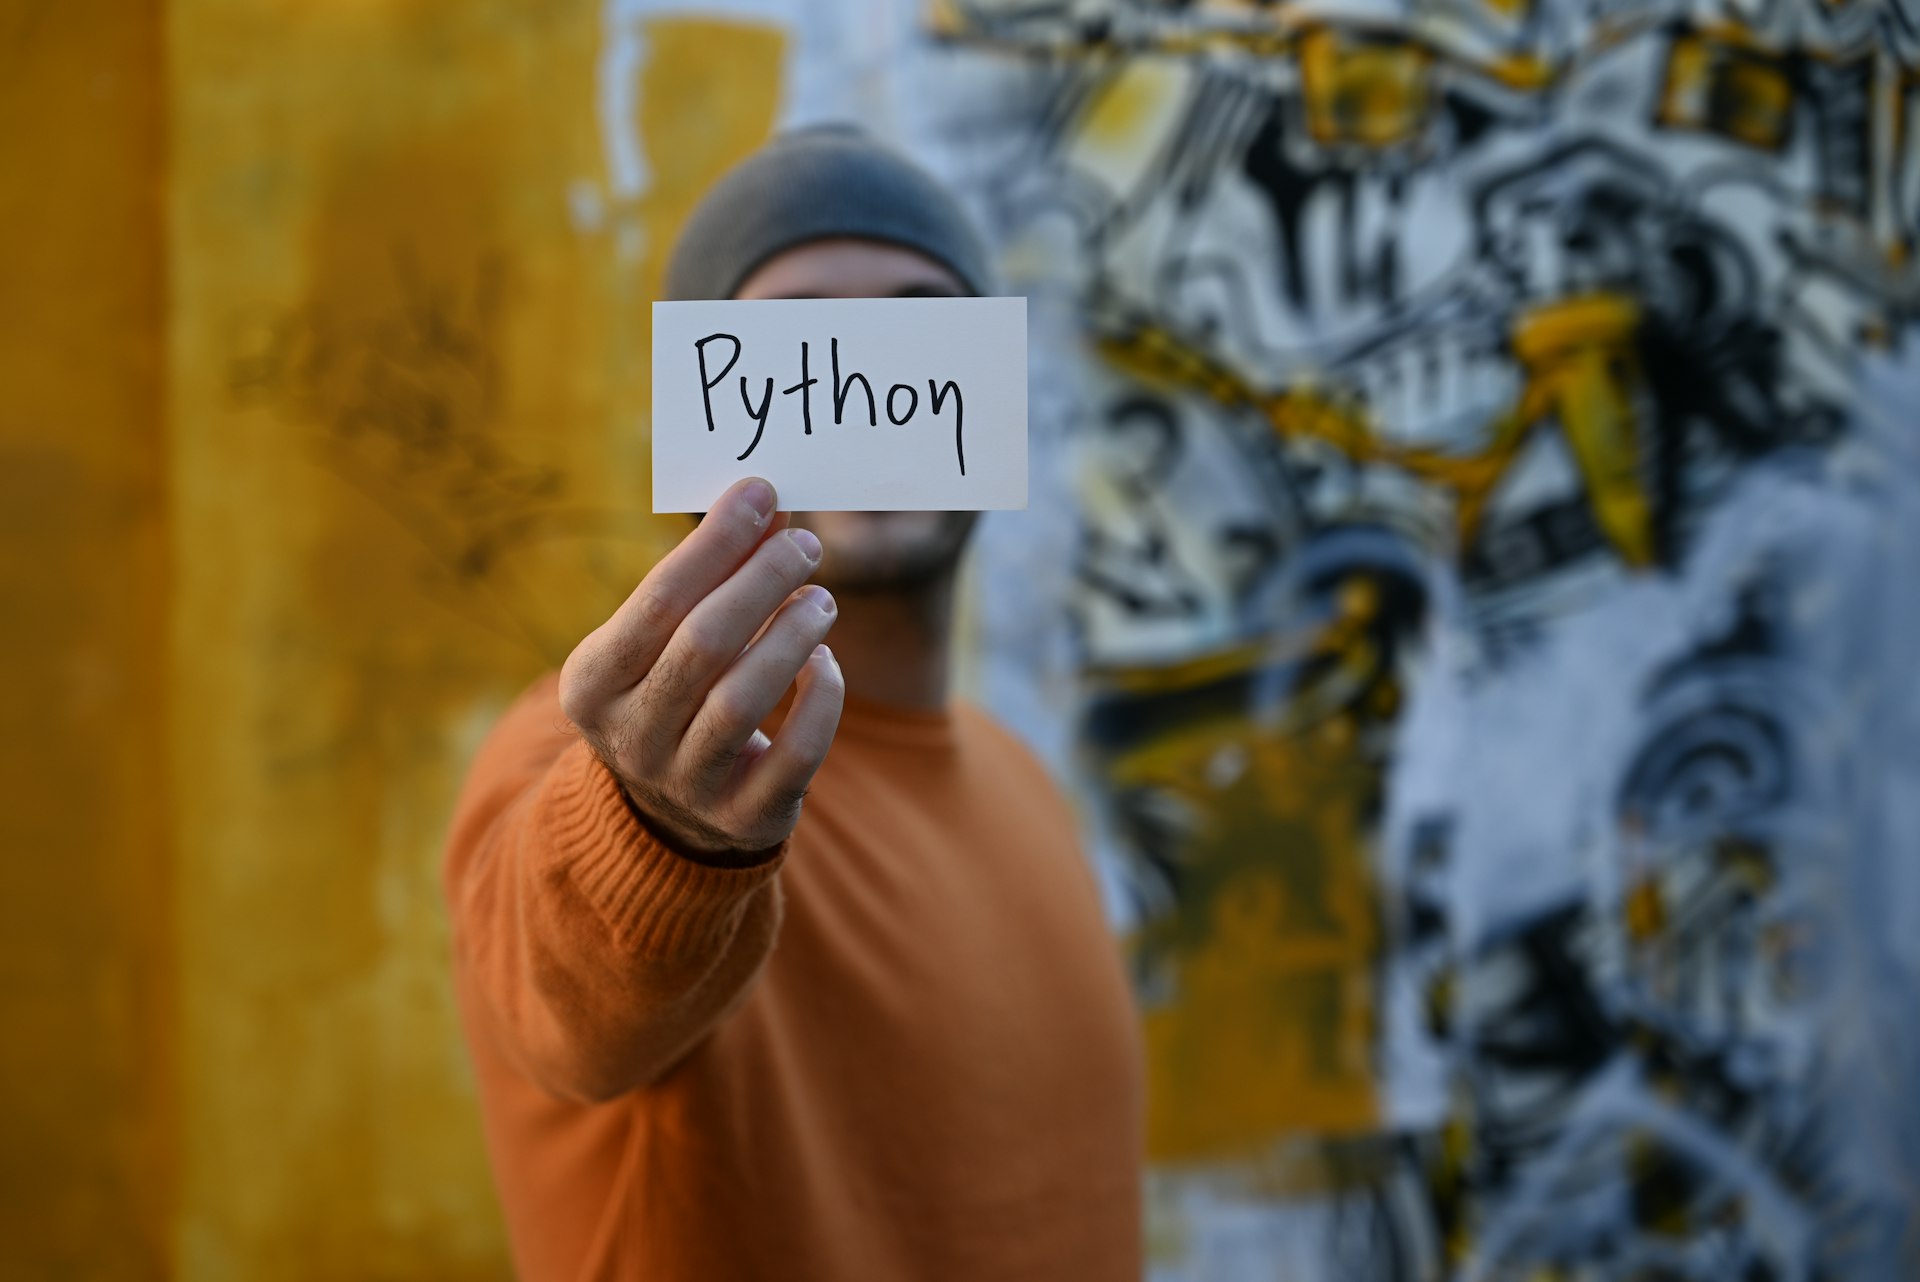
pixel 814 183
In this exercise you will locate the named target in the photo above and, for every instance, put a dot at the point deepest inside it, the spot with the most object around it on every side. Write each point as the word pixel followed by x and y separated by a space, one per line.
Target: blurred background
pixel 1470 589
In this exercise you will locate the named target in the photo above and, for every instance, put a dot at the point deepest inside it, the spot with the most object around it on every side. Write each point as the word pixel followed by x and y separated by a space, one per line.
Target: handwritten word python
pixel 841 389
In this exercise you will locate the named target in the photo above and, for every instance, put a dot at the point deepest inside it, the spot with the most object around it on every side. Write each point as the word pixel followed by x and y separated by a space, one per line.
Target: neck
pixel 896 647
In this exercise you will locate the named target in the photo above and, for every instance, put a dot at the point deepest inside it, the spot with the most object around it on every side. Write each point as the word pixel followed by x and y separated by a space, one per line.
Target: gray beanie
pixel 810 184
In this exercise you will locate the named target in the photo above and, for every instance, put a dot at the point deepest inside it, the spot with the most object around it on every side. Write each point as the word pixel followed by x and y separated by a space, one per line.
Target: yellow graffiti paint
pixel 1580 375
pixel 1720 82
pixel 1366 91
pixel 1137 95
pixel 1578 356
pixel 710 91
pixel 1264 1025
pixel 1124 131
pixel 1273 1021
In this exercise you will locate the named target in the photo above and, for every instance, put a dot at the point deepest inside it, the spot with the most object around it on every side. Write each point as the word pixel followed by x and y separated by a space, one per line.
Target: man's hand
pixel 671 690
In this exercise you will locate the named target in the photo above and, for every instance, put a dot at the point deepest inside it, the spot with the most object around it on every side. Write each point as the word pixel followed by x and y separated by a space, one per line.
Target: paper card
pixel 845 404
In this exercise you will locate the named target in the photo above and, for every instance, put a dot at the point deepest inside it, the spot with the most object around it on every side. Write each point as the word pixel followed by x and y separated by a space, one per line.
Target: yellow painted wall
pixel 325 383
pixel 85 1029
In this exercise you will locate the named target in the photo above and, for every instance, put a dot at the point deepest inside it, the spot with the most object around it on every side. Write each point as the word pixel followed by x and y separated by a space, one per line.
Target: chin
pixel 887 551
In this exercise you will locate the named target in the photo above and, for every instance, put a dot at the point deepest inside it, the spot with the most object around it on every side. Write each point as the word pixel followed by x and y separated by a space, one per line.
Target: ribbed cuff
pixel 656 901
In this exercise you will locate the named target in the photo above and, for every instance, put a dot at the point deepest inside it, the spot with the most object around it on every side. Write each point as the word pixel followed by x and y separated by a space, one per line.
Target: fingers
pixel 670 691
pixel 618 653
pixel 780 775
pixel 743 696
pixel 720 627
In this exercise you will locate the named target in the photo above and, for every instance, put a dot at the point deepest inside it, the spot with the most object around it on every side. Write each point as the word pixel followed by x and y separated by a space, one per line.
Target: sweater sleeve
pixel 590 954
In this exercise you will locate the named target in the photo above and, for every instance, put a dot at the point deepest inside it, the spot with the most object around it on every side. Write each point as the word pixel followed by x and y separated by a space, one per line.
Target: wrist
pixel 695 841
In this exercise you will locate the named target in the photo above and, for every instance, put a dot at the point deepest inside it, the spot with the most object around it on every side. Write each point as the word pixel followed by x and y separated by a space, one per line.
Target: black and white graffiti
pixel 1489 430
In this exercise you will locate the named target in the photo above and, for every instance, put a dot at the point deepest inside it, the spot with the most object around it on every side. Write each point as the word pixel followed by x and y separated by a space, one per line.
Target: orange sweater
pixel 902 1048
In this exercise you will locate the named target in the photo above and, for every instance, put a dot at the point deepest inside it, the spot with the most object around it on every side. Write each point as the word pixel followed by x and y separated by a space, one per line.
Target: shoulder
pixel 521 745
pixel 536 707
pixel 994 747
pixel 1033 805
pixel 975 726
pixel 532 729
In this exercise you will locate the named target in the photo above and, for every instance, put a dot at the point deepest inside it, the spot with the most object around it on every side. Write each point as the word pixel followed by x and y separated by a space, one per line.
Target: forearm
pixel 590 954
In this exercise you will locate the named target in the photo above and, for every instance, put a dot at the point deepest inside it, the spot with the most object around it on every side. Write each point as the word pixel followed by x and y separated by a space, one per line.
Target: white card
pixel 905 404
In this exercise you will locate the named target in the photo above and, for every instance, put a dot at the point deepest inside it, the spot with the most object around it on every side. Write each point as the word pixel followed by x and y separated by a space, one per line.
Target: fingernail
pixel 822 652
pixel 808 544
pixel 821 598
pixel 759 497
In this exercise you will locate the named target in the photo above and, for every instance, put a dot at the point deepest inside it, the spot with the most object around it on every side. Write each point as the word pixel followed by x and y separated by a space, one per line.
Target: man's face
pixel 869 551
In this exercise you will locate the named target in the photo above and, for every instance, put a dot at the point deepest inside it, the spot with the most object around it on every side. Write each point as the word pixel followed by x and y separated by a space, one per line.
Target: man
pixel 722 1038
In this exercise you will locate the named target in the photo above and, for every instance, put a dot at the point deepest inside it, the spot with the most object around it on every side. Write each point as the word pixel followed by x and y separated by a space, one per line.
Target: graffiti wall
pixel 1468 587
pixel 1489 428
